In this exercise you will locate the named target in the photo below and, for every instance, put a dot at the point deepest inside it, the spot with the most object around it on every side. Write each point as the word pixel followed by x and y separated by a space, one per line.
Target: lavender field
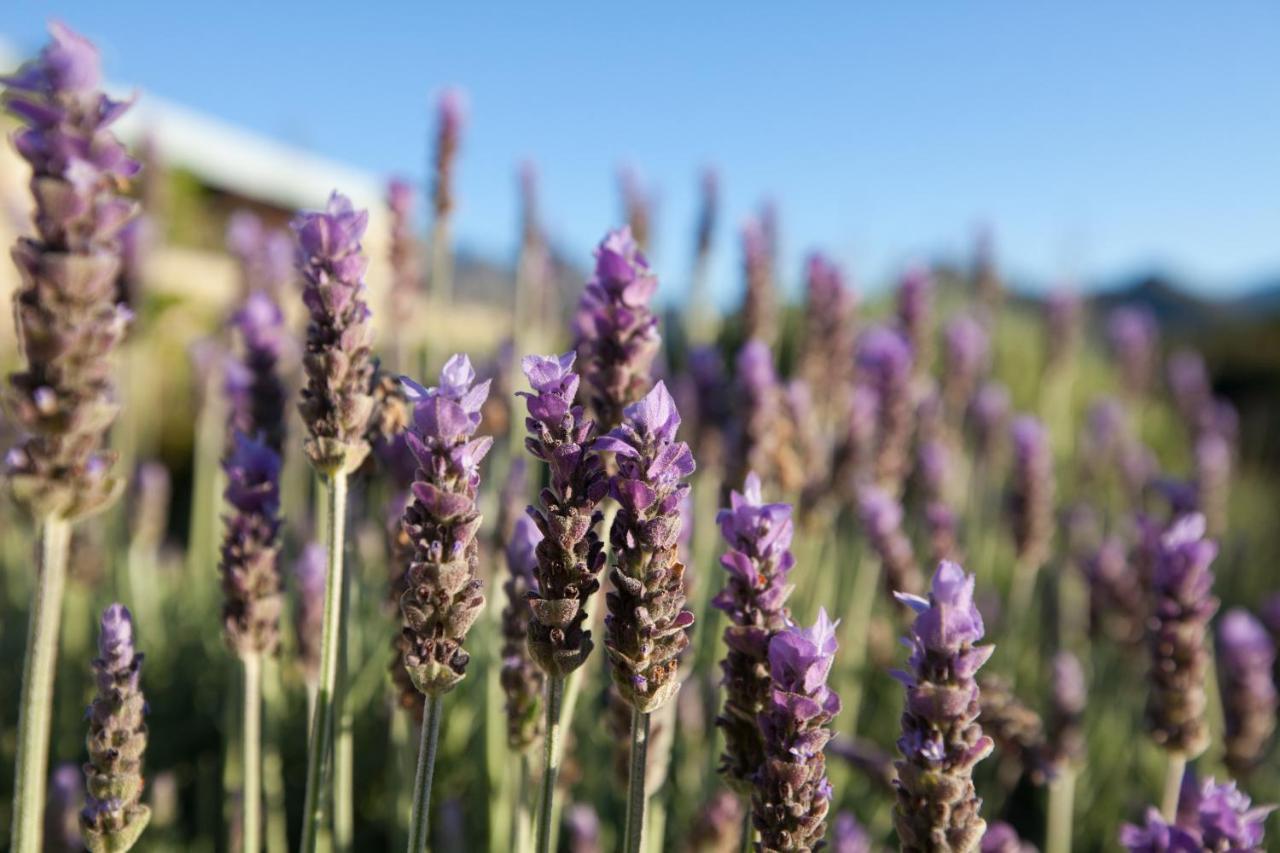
pixel 342 557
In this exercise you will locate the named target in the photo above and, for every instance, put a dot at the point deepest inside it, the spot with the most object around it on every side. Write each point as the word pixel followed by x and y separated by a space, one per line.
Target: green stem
pixel 276 824
pixel 572 690
pixel 251 743
pixel 36 706
pixel 856 636
pixel 634 839
pixel 1061 804
pixel 551 768
pixel 748 828
pixel 521 820
pixel 1172 785
pixel 321 735
pixel 420 820
pixel 343 757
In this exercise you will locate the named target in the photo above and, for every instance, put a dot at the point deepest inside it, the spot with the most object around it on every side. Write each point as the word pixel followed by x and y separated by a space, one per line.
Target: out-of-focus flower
pixel 309 572
pixel 764 434
pixel 1246 656
pixel 520 678
pixel 1062 314
pixel 450 116
pixel 1000 837
pixel 967 354
pixel 881 518
pixel 759 306
pixel 1132 334
pixel 62 812
pixel 1016 729
pixel 255 390
pixel 1224 819
pixel 717 827
pixel 1068 694
pixel 915 315
pixel 582 826
pixel 989 413
pixel 264 255
pixel 637 207
pixel 849 836
pixel 884 364
pixel 1031 494
pixel 251 582
pixel 1213 480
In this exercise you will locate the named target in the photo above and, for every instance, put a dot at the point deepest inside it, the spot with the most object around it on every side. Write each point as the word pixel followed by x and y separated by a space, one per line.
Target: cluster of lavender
pixel 520 678
pixel 1132 336
pixel 336 402
pixel 114 815
pixel 616 332
pixel 792 794
pixel 443 595
pixel 251 582
pixel 938 808
pixel 65 307
pixel 1217 817
pixel 646 629
pixel 1062 317
pixel 570 555
pixel 1065 724
pixel 754 598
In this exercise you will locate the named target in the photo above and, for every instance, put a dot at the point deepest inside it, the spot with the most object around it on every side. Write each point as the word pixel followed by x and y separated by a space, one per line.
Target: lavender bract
pixel 336 402
pixel 754 597
pixel 443 595
pixel 251 583
pixel 1246 657
pixel 520 678
pixel 937 806
pixel 114 815
pixel 1223 818
pixel 65 310
pixel 792 793
pixel 646 628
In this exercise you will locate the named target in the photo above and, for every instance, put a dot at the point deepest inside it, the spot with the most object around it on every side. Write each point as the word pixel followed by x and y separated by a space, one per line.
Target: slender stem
pixel 275 825
pixel 521 820
pixel 551 769
pixel 1173 785
pixel 856 636
pixel 343 748
pixel 572 690
pixel 1061 804
pixel 420 820
pixel 634 841
pixel 251 743
pixel 36 706
pixel 748 828
pixel 321 734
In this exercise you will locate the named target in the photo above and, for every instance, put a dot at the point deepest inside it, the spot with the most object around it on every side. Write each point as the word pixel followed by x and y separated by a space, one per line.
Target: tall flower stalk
pixel 444 161
pixel 646 629
pixel 1246 657
pixel 68 322
pixel 570 554
pixel 443 595
pixel 336 406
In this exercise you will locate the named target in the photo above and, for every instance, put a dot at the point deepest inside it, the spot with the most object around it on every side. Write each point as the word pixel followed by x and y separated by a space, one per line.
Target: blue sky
pixel 1096 138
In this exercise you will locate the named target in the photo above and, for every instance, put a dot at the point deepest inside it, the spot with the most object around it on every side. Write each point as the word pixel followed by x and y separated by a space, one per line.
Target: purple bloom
pixel 616 331
pixel 62 812
pixel 1067 697
pixel 708 213
pixel 941 738
pixel 754 596
pixel 1000 837
pixel 1224 818
pixel 336 403
pixel 1032 490
pixel 114 815
pixel 646 628
pixel 251 583
pixel 520 678
pixel 915 313
pixel 1132 334
pixel 827 351
pixel 255 389
pixel 849 836
pixel 1246 656
pixel 1062 311
pixel 989 412
pixel 759 308
pixel 443 594
pixel 1213 479
pixel 450 116
pixel 637 206
pixel 967 356
pixel 406 277
pixel 881 518
pixel 309 572
pixel 1189 383
pixel 582 826
pixel 792 794
pixel 717 827
pixel 885 362
pixel 763 433
pixel 265 256
pixel 65 309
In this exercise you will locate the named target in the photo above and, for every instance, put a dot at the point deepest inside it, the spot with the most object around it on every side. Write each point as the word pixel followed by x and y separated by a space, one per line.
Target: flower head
pixel 251 582
pixel 1246 655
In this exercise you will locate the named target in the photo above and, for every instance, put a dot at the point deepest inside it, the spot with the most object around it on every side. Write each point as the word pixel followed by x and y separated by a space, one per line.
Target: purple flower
pixel 336 403
pixel 1031 494
pixel 406 276
pixel 1246 656
pixel 1067 697
pixel 520 678
pixel 708 212
pixel 792 794
pixel 309 572
pixel 1189 383
pixel 1000 837
pixel 1132 334
pixel 758 560
pixel 941 738
pixel 827 350
pixel 616 331
pixel 65 309
pixel 646 628
pixel 915 313
pixel 1213 479
pixel 265 256
pixel 989 412
pixel 1062 311
pixel 881 518
pixel 763 433
pixel 885 362
pixel 62 813
pixel 1224 818
pixel 450 116
pixel 717 827
pixel 443 594
pixel 255 389
pixel 251 582
pixel 849 836
pixel 582 826
pixel 759 308
pixel 967 355
pixel 637 206
pixel 114 815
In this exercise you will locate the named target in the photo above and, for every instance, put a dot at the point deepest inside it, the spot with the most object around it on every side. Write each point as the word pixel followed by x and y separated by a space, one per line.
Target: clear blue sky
pixel 1097 138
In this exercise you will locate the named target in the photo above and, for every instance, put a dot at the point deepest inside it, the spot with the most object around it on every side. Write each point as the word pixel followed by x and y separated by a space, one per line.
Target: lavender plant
pixel 1246 657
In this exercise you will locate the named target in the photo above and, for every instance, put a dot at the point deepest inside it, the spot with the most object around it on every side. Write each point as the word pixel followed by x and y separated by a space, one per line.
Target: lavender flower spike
pixel 520 678
pixel 885 361
pixel 114 815
pixel 754 598
pixel 1224 818
pixel 792 793
pixel 1246 657
pixel 443 595
pixel 647 625
pixel 254 386
pixel 616 331
pixel 309 576
pixel 881 518
pixel 65 309
pixel 570 555
pixel 938 808
pixel 336 403
pixel 1032 493
pixel 251 582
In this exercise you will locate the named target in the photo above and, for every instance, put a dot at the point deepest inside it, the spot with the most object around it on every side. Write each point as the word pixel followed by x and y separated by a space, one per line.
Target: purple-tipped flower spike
pixel 1068 695
pixel 792 793
pixel 764 434
pixel 989 413
pixel 647 626
pixel 152 491
pixel 828 348
pixel 62 812
pixel 1132 335
pixel 1117 598
pixel 637 207
pixel 881 518
pixel 255 389
pixel 1000 837
pixel 114 815
pixel 1224 819
pixel 251 583
pixel 450 115
pixel 967 353
pixel 938 808
pixel 717 827
pixel 65 307
pixel 1246 656
pixel 1213 480
pixel 1016 730
pixel 1062 315
pixel 1182 589
pixel 264 255
pixel 754 597
pixel 885 363
pixel 443 594
pixel 406 275
pixel 849 836
pixel 336 403
pixel 570 555
pixel 915 314
pixel 309 573
pixel 616 331
pixel 1031 495
pixel 759 311
pixel 520 678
